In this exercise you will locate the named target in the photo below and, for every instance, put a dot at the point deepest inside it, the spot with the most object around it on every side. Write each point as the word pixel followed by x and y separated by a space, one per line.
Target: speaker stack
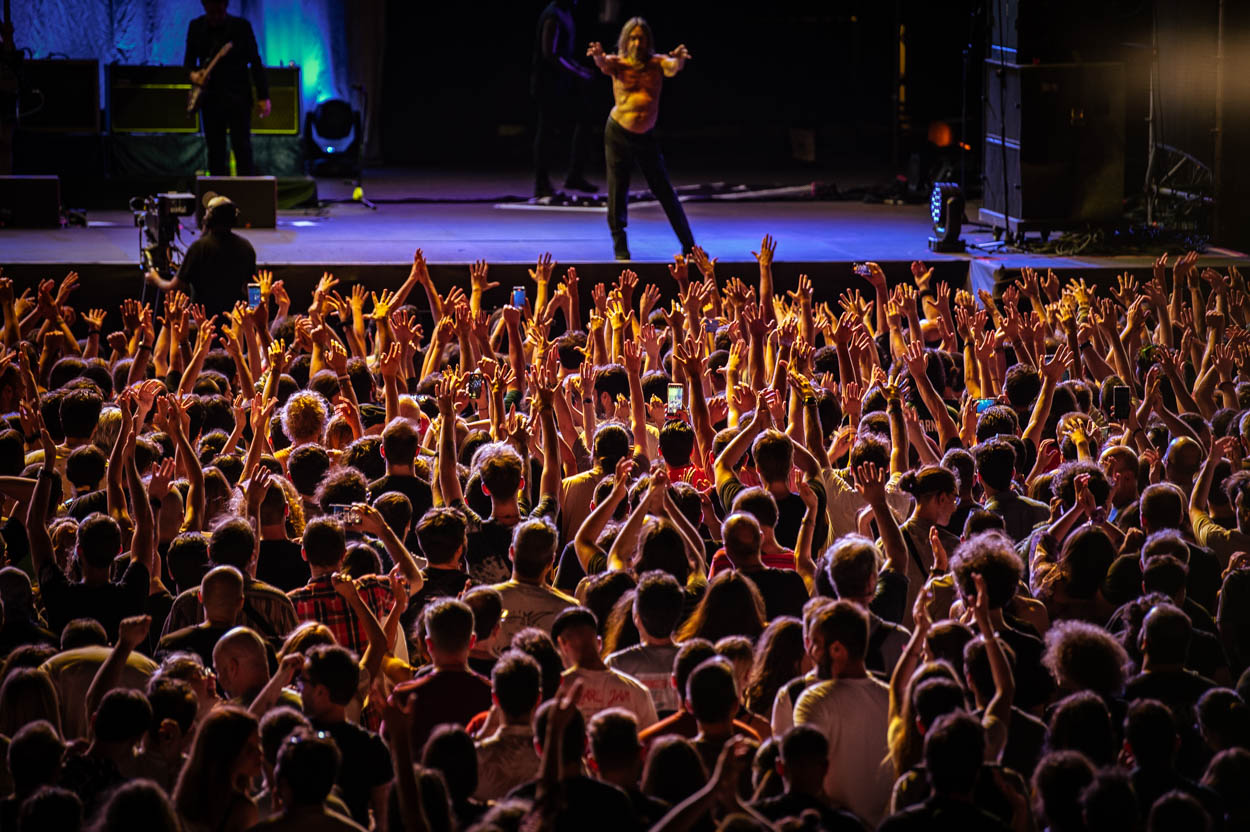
pixel 1054 127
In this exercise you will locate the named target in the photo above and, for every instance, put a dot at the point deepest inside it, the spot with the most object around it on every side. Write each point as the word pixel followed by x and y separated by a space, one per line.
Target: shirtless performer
pixel 637 73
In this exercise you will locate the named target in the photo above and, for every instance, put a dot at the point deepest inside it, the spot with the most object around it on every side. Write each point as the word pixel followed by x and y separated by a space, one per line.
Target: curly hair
pixel 304 417
pixel 991 555
pixel 1083 656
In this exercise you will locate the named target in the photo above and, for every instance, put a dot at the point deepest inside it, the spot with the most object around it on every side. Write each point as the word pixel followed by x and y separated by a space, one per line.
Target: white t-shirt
pixel 527 605
pixel 652 665
pixel 854 715
pixel 602 689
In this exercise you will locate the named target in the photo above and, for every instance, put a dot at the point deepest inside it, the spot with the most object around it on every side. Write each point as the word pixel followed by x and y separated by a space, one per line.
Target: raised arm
pixel 1198 510
pixel 621 556
pixel 143 541
pixel 675 61
pixel 870 482
pixel 371 521
pixel 1052 370
pixel 768 248
pixel 41 553
pixel 607 64
pixel 804 564
pixel 131 632
pixel 174 414
pixel 545 386
pixel 917 361
pixel 740 444
pixel 448 478
pixel 999 709
pixel 584 542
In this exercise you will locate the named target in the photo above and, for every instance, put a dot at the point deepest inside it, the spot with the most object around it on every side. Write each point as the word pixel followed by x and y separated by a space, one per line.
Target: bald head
pixel 221 593
pixel 742 536
pixel 1182 460
pixel 241 663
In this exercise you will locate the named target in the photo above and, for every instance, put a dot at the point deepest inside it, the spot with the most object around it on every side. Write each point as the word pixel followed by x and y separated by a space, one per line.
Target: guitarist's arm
pixel 259 79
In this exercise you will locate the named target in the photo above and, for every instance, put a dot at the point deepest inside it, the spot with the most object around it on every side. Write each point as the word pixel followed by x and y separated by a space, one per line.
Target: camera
pixel 156 217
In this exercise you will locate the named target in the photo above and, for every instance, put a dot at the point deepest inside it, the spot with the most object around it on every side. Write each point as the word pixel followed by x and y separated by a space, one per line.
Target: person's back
pixel 652 666
pixel 217 267
pixel 305 773
pixel 451 692
pixel 851 709
pixel 575 632
pixel 506 758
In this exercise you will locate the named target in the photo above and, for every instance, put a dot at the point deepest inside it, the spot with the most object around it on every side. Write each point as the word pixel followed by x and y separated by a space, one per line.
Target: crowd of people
pixel 915 559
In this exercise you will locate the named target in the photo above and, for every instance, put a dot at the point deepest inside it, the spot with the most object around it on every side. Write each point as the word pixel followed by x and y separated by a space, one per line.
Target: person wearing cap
pixel 217 266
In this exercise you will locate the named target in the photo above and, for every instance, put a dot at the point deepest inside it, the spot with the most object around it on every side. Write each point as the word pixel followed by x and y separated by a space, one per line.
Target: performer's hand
pixel 681 53
pixel 265 107
pixel 595 50
pixel 197 77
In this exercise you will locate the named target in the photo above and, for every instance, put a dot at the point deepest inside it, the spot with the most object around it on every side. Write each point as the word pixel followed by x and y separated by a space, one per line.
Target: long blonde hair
pixel 622 41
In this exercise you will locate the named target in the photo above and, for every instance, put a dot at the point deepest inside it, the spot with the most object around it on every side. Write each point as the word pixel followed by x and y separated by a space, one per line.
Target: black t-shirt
pixel 1034 683
pixel 939 813
pixel 107 603
pixel 229 81
pixel 200 640
pixel 217 268
pixel 366 764
pixel 783 590
pixel 1123 581
pixel 793 804
pixel 440 582
pixel 281 563
pixel 588 804
pixel 416 489
pixel 790 511
pixel 486 555
pixel 1179 690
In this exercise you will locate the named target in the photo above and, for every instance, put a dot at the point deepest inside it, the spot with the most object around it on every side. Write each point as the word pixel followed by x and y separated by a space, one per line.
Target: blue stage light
pixel 946 209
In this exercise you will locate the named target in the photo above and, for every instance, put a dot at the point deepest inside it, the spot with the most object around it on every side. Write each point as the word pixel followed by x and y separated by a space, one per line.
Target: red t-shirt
pixel 778 560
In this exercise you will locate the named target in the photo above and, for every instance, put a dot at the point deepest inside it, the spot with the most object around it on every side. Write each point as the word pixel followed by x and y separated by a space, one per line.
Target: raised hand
pixel 706 265
pixel 477 277
pixel 132 631
pixel 542 272
pixel 922 275
pixel 627 283
pixel 1126 291
pixel 768 249
pixel 870 482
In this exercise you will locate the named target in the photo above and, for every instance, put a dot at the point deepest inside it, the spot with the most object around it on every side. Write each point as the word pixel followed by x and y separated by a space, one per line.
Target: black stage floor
pixel 821 238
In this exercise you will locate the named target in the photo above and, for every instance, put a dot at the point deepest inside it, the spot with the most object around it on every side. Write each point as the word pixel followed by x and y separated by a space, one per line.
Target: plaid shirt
pixel 317 601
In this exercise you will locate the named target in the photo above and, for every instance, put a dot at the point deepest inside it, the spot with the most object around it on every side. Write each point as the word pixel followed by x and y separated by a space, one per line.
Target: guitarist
pixel 227 100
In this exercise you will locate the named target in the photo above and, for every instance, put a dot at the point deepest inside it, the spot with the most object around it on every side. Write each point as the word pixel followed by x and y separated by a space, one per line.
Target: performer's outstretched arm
pixel 674 61
pixel 607 63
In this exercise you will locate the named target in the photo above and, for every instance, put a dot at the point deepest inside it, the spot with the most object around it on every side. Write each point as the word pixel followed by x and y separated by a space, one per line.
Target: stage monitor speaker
pixel 1054 144
pixel 256 197
pixel 60 96
pixel 30 201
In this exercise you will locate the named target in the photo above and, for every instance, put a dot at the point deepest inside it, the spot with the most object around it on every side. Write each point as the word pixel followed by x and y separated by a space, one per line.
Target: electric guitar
pixel 197 90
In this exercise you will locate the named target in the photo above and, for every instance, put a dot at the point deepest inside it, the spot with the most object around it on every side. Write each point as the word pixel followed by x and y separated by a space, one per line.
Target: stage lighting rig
pixel 946 207
pixel 332 134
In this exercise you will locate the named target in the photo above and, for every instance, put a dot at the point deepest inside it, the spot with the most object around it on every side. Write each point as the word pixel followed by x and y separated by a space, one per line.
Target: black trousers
pixel 622 148
pixel 235 115
pixel 560 112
